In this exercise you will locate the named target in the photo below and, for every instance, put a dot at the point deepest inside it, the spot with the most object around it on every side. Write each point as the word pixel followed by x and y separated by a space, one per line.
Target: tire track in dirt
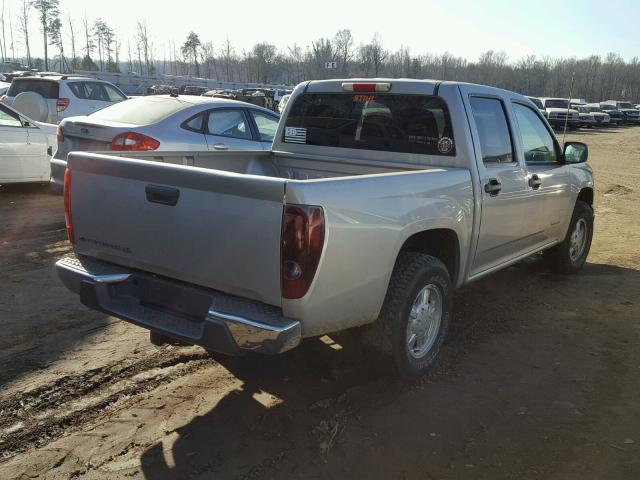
pixel 39 416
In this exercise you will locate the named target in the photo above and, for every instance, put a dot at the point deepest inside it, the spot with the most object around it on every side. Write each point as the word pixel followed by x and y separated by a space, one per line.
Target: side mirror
pixel 575 152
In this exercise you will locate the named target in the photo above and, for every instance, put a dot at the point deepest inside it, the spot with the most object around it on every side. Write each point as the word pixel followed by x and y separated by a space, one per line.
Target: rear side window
pixel 46 88
pixel 493 130
pixel 396 123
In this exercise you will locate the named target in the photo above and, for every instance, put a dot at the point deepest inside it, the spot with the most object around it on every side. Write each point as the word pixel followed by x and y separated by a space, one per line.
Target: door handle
pixel 493 187
pixel 162 195
pixel 535 182
pixel 220 146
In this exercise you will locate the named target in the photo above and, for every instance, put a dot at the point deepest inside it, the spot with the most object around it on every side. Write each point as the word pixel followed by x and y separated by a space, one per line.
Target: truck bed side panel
pixel 368 220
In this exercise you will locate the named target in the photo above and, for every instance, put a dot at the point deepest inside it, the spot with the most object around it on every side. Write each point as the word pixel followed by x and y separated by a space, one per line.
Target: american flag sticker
pixel 295 135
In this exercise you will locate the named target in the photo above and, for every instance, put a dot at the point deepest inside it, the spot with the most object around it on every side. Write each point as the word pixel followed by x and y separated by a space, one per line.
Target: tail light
pixel 67 205
pixel 133 141
pixel 62 104
pixel 60 133
pixel 302 242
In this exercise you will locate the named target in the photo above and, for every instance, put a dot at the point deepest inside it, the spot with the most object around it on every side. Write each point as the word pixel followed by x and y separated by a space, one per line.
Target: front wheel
pixel 417 311
pixel 570 255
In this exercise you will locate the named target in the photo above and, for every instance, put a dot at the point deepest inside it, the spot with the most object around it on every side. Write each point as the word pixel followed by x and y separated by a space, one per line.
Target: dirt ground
pixel 540 378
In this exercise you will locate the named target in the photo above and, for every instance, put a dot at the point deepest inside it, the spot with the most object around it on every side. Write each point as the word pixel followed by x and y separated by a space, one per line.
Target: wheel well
pixel 441 243
pixel 586 195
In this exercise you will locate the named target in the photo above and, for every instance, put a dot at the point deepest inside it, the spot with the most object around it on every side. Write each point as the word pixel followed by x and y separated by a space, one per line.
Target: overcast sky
pixel 466 28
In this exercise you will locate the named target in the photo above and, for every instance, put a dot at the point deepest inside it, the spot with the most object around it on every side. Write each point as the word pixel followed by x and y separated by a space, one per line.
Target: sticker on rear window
pixel 295 135
pixel 445 145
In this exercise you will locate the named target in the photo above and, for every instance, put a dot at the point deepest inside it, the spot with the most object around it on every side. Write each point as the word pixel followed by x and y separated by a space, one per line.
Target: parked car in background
pixel 53 98
pixel 283 102
pixel 601 118
pixel 631 114
pixel 194 90
pixel 160 89
pixel 586 117
pixel 26 146
pixel 4 87
pixel 163 122
pixel 616 116
pixel 560 114
pixel 538 103
pixel 338 226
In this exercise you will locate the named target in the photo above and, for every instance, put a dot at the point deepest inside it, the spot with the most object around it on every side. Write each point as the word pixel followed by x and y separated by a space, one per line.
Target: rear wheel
pixel 570 255
pixel 417 311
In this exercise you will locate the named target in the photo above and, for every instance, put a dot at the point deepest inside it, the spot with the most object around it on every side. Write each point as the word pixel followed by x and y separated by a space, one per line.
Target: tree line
pixel 95 45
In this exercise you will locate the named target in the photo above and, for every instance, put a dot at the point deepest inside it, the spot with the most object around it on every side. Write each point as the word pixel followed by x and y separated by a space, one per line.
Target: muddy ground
pixel 540 377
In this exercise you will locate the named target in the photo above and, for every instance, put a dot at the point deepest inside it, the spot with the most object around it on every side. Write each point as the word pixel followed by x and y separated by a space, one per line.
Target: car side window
pixel 493 130
pixel 9 119
pixel 96 91
pixel 113 94
pixel 538 143
pixel 77 88
pixel 267 125
pixel 228 123
pixel 195 123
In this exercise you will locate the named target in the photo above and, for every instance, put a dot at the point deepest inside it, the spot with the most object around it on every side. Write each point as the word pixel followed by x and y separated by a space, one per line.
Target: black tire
pixel 559 258
pixel 412 273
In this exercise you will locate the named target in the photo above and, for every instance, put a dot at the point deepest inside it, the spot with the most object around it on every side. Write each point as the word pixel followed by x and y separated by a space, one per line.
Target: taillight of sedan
pixel 129 141
pixel 62 104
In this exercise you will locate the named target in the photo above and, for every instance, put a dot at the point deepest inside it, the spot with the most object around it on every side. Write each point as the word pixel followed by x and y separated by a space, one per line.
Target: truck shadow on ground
pixel 321 383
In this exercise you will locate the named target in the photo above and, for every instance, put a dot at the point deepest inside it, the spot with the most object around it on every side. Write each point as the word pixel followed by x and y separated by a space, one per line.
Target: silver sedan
pixel 167 123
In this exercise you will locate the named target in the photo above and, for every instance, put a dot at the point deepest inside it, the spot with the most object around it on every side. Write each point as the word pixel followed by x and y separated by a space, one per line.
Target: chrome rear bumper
pixel 211 319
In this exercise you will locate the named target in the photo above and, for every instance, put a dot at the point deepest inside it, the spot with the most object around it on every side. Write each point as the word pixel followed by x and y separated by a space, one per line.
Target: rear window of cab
pixel 390 122
pixel 46 88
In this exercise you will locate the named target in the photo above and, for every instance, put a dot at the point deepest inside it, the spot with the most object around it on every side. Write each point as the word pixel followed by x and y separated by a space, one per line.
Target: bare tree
pixel 49 12
pixel 72 34
pixel 4 38
pixel 144 46
pixel 344 42
pixel 23 19
pixel 228 55
pixel 13 48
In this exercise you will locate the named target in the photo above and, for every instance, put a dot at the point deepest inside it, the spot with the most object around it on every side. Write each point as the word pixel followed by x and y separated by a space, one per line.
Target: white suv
pixel 52 98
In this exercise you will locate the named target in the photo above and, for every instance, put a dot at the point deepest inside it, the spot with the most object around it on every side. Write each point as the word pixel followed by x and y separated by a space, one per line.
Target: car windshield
pixel 608 106
pixel 583 110
pixel 625 105
pixel 594 109
pixel 141 110
pixel 556 103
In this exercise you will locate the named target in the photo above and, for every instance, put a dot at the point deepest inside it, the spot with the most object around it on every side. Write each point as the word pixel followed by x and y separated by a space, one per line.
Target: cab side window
pixel 495 138
pixel 538 143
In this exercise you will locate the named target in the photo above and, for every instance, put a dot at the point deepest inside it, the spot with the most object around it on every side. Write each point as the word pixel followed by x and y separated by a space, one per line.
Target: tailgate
pixel 208 227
